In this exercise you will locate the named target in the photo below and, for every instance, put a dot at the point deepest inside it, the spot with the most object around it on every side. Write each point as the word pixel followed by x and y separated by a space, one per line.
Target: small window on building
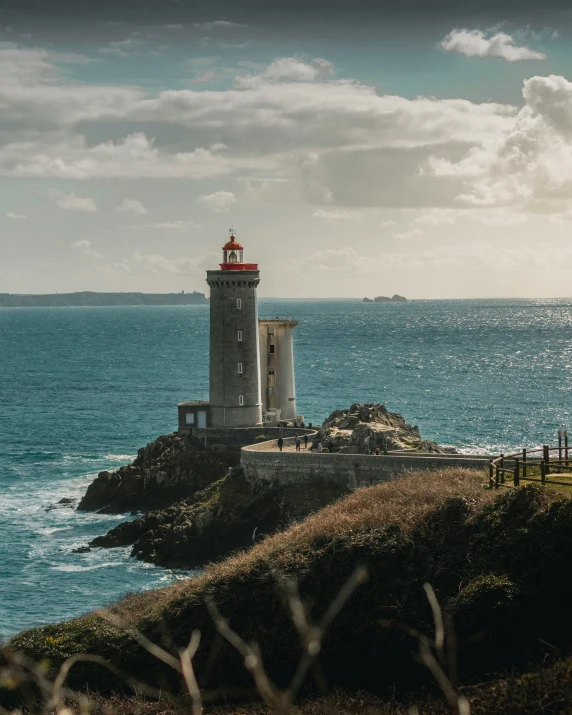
pixel 271 379
pixel 240 368
pixel 271 349
pixel 271 330
pixel 240 336
pixel 238 303
pixel 241 400
pixel 190 418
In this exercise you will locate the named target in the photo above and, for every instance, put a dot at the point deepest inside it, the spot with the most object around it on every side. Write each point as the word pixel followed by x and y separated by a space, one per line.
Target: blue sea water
pixel 81 389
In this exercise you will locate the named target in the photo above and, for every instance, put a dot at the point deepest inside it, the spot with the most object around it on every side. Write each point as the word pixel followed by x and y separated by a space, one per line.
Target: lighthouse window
pixel 240 368
pixel 271 349
pixel 271 379
pixel 241 400
pixel 238 303
pixel 240 336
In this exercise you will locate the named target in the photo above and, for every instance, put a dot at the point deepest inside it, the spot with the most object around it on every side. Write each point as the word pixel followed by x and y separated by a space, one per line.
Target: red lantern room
pixel 233 257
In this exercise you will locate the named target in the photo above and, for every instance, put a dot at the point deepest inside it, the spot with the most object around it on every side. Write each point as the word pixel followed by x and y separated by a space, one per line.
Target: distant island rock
pixel 386 299
pixel 89 298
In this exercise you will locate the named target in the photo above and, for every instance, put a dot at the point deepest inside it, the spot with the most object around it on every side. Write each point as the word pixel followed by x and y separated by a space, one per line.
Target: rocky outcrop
pixel 165 471
pixel 363 428
pixel 386 299
pixel 227 516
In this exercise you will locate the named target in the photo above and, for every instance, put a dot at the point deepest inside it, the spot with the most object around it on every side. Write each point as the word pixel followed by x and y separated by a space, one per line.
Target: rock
pixel 382 299
pixel 367 300
pixel 165 471
pixel 62 504
pixel 227 516
pixel 370 427
pixel 398 299
pixel 81 550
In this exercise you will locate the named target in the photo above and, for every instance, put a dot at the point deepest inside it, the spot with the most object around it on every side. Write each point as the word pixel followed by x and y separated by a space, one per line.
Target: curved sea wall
pixel 263 463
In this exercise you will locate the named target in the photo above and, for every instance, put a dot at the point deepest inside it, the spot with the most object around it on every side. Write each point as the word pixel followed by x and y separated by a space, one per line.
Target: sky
pixel 357 149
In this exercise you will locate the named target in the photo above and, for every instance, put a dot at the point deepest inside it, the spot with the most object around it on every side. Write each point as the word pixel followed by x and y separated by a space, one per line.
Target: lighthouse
pixel 234 384
pixel 251 381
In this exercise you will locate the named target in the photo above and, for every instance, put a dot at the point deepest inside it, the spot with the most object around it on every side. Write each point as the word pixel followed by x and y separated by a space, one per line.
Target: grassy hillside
pixel 497 561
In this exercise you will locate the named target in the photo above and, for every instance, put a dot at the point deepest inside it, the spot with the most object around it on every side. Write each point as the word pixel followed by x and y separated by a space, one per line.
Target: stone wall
pixel 352 470
pixel 215 438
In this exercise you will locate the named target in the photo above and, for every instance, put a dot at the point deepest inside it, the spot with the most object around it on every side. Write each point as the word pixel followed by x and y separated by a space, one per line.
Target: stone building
pixel 251 379
pixel 277 370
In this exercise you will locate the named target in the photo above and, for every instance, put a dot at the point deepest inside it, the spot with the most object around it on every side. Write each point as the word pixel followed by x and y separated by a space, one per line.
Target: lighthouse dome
pixel 232 245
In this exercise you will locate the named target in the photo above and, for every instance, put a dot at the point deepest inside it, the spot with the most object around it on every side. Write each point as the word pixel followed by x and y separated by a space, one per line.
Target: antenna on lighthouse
pixel 232 232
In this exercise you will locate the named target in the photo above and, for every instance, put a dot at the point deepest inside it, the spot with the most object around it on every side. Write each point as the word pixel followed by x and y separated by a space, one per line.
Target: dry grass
pixel 495 558
pixel 362 515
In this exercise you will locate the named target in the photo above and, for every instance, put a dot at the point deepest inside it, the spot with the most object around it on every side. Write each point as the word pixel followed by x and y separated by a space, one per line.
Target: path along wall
pixel 220 438
pixel 261 464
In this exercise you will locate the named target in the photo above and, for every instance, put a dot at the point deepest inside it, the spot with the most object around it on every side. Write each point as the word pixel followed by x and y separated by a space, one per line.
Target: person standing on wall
pixel 280 443
pixel 305 441
pixel 297 442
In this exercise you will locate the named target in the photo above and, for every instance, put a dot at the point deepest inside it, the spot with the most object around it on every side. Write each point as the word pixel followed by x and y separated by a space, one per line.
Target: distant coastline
pixel 88 298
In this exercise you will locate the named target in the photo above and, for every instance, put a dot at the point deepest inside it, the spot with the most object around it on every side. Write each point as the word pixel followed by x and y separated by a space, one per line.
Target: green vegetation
pixel 497 560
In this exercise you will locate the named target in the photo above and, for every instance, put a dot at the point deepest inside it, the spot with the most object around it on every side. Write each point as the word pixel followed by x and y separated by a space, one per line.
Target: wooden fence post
pixel 546 456
pixel 543 472
pixel 497 477
pixel 516 473
pixel 502 467
pixel 524 463
pixel 491 473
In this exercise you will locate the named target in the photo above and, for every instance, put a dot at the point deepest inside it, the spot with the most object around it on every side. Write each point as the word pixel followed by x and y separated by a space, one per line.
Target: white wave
pixel 120 457
pixel 74 568
pixel 48 532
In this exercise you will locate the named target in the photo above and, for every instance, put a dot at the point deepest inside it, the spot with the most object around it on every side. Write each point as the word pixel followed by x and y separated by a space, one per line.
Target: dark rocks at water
pixel 398 299
pixel 229 515
pixel 368 427
pixel 367 300
pixel 64 503
pixel 165 471
pixel 81 550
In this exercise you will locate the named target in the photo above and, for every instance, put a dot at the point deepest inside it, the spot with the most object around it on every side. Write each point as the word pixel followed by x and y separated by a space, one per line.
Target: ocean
pixel 81 389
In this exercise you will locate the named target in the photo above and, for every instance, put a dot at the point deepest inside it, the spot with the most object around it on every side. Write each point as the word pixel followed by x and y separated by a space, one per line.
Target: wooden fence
pixel 545 465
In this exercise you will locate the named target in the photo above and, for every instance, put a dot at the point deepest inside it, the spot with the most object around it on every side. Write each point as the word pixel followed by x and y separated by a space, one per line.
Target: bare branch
pixel 189 672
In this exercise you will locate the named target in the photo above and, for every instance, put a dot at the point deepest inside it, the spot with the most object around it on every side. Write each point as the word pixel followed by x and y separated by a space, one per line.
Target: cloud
pixel 133 156
pixel 338 214
pixel 219 202
pixel 131 206
pixel 288 69
pixel 16 216
pixel 331 142
pixel 71 202
pixel 479 43
pixel 159 264
pixel 84 246
pixel 202 77
pixel 529 164
pixel 180 223
pixel 406 235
